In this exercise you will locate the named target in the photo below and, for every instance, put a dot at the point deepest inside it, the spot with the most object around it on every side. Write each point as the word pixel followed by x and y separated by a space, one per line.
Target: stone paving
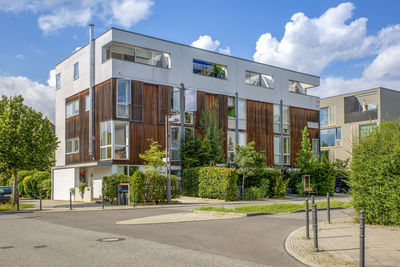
pixel 339 243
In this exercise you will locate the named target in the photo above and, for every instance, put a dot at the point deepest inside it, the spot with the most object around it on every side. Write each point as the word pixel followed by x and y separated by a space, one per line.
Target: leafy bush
pixel 155 186
pixel 218 183
pixel 174 186
pixel 279 186
pixel 31 183
pixel 190 182
pixel 137 182
pixel 45 188
pixel 20 178
pixel 110 185
pixel 253 193
pixel 82 188
pixel 375 175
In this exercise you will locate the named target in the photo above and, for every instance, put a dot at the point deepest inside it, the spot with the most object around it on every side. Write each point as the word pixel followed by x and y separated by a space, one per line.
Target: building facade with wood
pixel 116 93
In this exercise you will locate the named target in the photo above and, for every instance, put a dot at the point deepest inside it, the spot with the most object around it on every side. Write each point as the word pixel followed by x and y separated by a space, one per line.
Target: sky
pixel 351 45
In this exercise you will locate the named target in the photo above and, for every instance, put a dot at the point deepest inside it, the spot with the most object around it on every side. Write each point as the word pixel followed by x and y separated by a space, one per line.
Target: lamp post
pixel 168 142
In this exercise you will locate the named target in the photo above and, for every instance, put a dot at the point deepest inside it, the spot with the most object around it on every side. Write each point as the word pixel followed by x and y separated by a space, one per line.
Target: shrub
pixel 110 185
pixel 190 182
pixel 375 175
pixel 155 186
pixel 174 186
pixel 253 193
pixel 45 188
pixel 20 178
pixel 137 183
pixel 220 183
pixel 279 186
pixel 31 183
pixel 82 187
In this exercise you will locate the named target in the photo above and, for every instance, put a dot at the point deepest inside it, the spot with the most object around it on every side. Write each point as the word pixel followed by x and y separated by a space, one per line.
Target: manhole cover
pixel 40 246
pixel 110 239
pixel 6 247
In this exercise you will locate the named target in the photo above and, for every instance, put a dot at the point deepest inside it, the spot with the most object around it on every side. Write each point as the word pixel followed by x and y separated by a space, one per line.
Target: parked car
pixel 341 184
pixel 5 193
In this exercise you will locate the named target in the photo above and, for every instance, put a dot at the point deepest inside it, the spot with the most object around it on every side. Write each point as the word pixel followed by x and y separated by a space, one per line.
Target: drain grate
pixel 110 239
pixel 6 247
pixel 40 246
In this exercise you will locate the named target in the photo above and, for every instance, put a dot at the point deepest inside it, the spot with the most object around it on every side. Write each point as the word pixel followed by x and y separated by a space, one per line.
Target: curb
pixel 292 252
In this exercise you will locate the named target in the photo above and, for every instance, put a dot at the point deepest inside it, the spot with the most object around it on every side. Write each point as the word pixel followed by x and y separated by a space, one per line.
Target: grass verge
pixel 275 208
pixel 9 206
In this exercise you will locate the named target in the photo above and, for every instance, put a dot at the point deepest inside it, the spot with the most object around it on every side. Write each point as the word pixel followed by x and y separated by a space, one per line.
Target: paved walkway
pixel 339 243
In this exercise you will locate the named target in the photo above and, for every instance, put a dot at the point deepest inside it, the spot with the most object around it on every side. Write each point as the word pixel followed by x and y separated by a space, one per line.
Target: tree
pixel 248 160
pixel 153 156
pixel 305 160
pixel 26 139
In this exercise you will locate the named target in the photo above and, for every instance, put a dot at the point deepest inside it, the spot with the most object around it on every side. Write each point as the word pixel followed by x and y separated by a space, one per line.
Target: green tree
pixel 190 148
pixel 305 160
pixel 26 139
pixel 248 160
pixel 153 156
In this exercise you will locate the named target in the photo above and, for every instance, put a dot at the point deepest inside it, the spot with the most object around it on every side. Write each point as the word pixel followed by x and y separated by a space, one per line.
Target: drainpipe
pixel 91 93
pixel 236 118
pixel 281 113
pixel 182 101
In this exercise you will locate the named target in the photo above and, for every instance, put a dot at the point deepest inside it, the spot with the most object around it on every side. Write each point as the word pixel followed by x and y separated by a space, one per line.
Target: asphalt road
pixel 69 239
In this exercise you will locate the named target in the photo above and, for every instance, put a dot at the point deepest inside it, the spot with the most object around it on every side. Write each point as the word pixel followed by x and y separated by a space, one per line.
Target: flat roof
pixel 355 93
pixel 209 51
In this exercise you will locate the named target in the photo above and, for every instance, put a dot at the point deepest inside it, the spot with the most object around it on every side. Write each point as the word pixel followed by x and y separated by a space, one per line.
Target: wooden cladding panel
pixel 201 106
pixel 260 127
pixel 223 112
pixel 150 103
pixel 78 126
pixel 137 101
pixel 298 120
pixel 164 99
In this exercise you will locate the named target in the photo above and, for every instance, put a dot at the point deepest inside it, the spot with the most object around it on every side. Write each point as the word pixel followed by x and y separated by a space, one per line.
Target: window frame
pixel 260 83
pixel 128 96
pixel 371 129
pixel 210 70
pixel 277 119
pixel 113 145
pixel 58 80
pixel 73 103
pixel 315 146
pixel 178 147
pixel 277 150
pixel 72 140
pixel 76 70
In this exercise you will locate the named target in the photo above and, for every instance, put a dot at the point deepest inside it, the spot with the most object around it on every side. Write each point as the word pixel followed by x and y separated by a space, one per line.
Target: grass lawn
pixel 9 206
pixel 275 208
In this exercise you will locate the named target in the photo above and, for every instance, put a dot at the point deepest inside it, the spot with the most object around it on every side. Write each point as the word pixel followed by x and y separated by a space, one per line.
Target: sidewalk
pixel 339 243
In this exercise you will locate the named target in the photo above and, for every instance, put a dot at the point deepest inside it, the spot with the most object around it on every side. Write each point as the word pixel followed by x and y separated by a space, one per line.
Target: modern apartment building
pixel 347 118
pixel 117 92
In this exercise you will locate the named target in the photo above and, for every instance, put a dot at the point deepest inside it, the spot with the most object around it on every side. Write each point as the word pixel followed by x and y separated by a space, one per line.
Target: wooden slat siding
pixel 78 126
pixel 259 124
pixel 164 99
pixel 201 105
pixel 137 101
pixel 298 120
pixel 223 119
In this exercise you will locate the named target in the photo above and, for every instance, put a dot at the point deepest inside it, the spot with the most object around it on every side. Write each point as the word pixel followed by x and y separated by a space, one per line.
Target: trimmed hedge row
pixel 190 182
pixel 219 183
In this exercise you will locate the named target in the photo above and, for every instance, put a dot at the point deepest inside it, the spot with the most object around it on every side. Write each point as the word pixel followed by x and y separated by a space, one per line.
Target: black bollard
pixel 312 200
pixel 17 201
pixel 40 201
pixel 102 198
pixel 133 198
pixel 70 200
pixel 315 227
pixel 328 207
pixel 362 238
pixel 307 220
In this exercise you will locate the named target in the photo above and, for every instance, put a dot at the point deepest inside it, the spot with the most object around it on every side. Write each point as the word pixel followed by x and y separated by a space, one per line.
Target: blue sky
pixel 350 45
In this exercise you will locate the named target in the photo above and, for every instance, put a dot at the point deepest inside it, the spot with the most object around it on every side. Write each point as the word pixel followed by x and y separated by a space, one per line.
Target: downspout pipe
pixel 91 94
pixel 281 121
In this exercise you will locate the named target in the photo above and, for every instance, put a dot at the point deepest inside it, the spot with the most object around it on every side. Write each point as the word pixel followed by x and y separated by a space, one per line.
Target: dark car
pixel 341 184
pixel 5 193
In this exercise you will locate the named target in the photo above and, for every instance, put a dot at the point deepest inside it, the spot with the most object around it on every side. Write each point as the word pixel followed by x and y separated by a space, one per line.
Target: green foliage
pixel 218 183
pixel 110 185
pixel 155 186
pixel 190 182
pixel 341 167
pixel 279 187
pixel 375 175
pixel 72 190
pixel 82 188
pixel 305 160
pixel 190 152
pixel 137 183
pixel 264 178
pixel 153 156
pixel 253 193
pixel 20 177
pixel 44 188
pixel 31 183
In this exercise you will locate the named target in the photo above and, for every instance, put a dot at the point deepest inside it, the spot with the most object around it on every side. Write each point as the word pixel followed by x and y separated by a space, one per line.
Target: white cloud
pixel 52 78
pixel 39 96
pixel 129 12
pixel 206 42
pixel 19 56
pixel 226 51
pixel 64 17
pixel 77 48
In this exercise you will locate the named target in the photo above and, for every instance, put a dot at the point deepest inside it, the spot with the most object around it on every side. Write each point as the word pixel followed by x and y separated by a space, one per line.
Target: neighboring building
pixel 138 80
pixel 346 118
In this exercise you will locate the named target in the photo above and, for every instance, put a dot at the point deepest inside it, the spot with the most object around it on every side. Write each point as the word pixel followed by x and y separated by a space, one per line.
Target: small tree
pixel 153 156
pixel 26 139
pixel 248 160
pixel 305 160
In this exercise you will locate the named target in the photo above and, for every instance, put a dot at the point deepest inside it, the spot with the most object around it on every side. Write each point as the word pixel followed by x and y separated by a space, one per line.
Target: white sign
pixel 312 125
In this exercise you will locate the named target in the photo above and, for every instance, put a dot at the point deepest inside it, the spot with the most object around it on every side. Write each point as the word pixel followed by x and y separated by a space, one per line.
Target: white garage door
pixel 63 180
pixel 97 184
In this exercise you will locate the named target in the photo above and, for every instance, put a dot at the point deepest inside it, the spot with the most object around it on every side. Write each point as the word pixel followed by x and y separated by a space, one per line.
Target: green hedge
pixel 137 182
pixel 375 175
pixel 45 188
pixel 220 183
pixel 31 183
pixel 190 182
pixel 20 178
pixel 110 185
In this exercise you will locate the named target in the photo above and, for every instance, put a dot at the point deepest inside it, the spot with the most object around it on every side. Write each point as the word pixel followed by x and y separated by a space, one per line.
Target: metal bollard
pixel 70 200
pixel 307 220
pixel 362 238
pixel 133 198
pixel 102 199
pixel 312 200
pixel 328 207
pixel 315 227
pixel 40 202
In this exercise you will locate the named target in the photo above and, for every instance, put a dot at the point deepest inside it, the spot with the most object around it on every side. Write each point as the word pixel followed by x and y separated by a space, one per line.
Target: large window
pixel 339 136
pixel 366 129
pixel 231 143
pixel 137 54
pixel 209 69
pixel 277 150
pixel 277 119
pixel 123 98
pixel 76 70
pixel 114 140
pixel 58 81
pixel 327 137
pixel 323 116
pixel 72 108
pixel 259 79
pixel 72 145
pixel 232 114
pixel 175 143
pixel 315 147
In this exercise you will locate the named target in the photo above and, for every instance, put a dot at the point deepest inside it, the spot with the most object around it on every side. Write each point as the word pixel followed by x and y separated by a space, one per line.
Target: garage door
pixel 63 180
